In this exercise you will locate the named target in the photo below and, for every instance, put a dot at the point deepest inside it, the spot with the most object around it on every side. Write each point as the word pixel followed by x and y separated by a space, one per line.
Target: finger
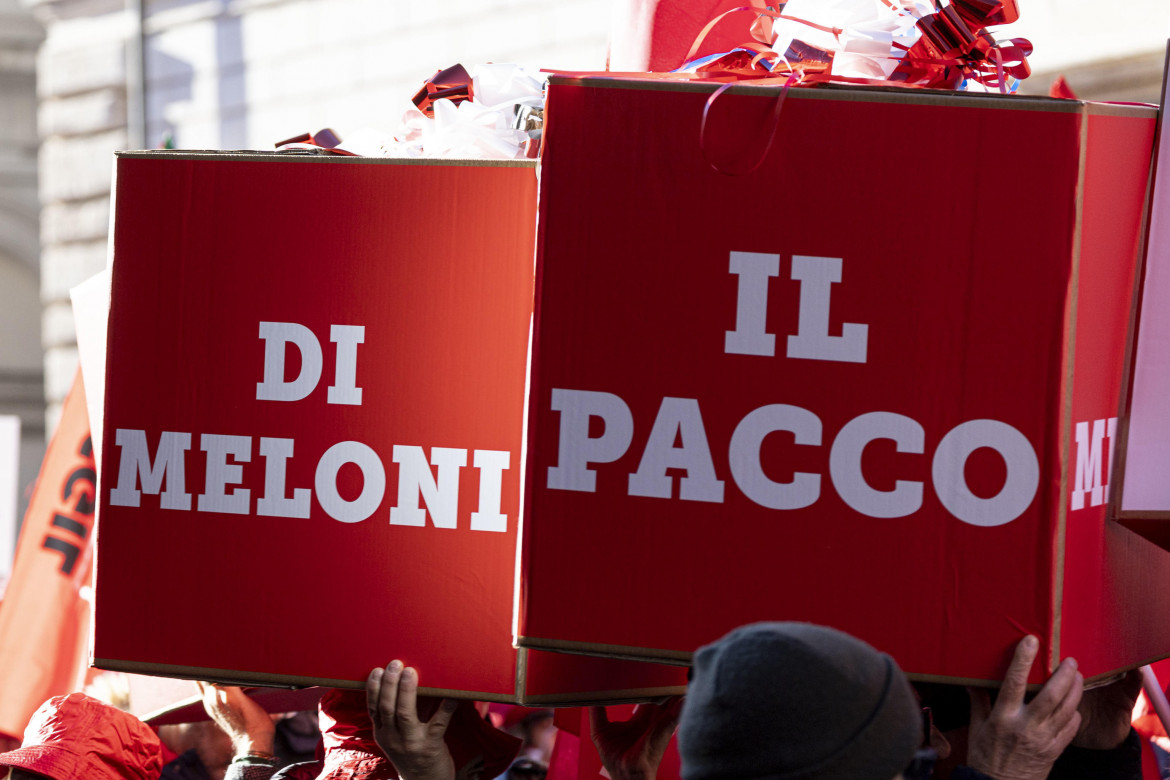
pixel 1015 682
pixel 373 687
pixel 598 720
pixel 406 710
pixel 980 706
pixel 207 693
pixel 388 692
pixel 1071 702
pixel 667 716
pixel 665 723
pixel 1062 681
pixel 1067 734
pixel 442 718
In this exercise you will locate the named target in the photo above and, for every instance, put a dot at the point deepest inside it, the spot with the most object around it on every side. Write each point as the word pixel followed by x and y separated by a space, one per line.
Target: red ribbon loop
pixel 954 45
pixel 453 83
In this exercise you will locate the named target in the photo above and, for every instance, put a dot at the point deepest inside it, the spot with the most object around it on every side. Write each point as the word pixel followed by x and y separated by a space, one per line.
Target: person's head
pixel 796 700
pixel 211 744
pixel 78 736
pixel 535 727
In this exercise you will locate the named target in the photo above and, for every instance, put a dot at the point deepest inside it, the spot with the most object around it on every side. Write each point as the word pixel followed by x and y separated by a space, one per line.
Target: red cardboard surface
pixel 319 530
pixel 1115 597
pixel 955 236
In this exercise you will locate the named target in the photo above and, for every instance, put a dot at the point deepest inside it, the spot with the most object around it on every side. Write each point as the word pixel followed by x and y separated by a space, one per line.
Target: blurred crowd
pixel 769 700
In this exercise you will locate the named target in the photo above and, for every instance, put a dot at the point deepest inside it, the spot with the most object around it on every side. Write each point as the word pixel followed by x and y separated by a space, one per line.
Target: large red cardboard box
pixel 313 430
pixel 872 383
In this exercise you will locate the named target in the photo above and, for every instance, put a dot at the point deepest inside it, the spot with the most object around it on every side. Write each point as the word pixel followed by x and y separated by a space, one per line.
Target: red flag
pixel 44 621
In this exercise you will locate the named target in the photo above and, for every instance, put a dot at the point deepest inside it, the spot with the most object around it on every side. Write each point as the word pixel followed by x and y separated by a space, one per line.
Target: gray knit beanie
pixel 794 700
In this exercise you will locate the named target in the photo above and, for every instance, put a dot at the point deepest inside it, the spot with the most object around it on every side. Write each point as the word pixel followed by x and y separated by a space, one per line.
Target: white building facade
pixel 247 73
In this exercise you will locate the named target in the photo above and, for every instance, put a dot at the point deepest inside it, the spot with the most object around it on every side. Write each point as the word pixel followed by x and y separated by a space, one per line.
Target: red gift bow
pixel 955 45
pixel 452 83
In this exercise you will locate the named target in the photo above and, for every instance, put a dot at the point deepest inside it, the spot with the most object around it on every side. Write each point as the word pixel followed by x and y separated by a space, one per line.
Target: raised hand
pixel 1018 741
pixel 414 746
pixel 251 728
pixel 1106 713
pixel 633 749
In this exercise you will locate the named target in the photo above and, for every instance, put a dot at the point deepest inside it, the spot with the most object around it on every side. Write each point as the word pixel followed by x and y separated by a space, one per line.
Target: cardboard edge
pixel 293 157
pixel 974 682
pixel 1104 678
pixel 1117 474
pixel 1137 514
pixel 1059 557
pixel 261 679
pixel 521 672
pixel 604 697
pixel 869 94
pixel 1131 110
pixel 620 652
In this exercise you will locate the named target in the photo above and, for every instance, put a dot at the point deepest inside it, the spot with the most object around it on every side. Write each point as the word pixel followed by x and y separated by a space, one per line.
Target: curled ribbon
pixel 452 83
pixel 954 45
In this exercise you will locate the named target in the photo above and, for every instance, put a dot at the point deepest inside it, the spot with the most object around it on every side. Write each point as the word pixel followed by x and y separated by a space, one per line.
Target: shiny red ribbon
pixel 453 83
pixel 955 45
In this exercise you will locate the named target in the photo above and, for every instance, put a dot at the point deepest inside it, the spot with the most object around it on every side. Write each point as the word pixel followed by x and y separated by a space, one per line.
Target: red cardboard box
pixel 872 383
pixel 314 423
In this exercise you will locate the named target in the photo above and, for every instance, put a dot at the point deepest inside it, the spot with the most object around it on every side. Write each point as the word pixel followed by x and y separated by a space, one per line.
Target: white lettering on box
pixel 812 341
pixel 845 464
pixel 274 503
pixel 277 335
pixel 345 389
pixel 751 336
pixel 221 473
pixel 491 464
pixel 1089 463
pixel 441 494
pixel 744 456
pixel 576 449
pixel 950 484
pixel 135 466
pixel 678 418
pixel 225 456
pixel 373 481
